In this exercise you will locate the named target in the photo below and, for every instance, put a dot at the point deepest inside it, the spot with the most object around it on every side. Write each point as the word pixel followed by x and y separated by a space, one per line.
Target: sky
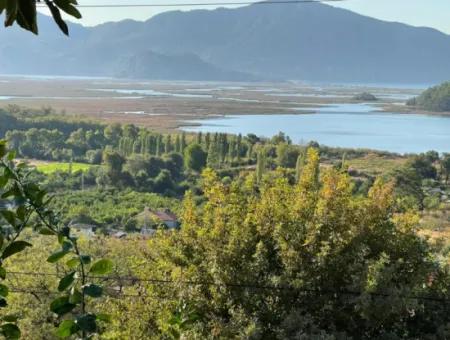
pixel 430 13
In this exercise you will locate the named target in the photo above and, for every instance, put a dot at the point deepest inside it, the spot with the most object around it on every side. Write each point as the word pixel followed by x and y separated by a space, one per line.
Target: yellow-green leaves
pixel 67 328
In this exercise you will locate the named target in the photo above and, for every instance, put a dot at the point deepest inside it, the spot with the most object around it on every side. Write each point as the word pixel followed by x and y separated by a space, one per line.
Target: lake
pixel 348 125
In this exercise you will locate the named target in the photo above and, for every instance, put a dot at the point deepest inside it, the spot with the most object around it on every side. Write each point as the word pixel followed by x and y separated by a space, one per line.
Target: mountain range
pixel 311 42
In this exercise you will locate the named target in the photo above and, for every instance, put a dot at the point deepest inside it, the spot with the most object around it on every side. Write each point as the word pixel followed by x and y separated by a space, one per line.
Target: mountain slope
pixel 304 41
pixel 151 65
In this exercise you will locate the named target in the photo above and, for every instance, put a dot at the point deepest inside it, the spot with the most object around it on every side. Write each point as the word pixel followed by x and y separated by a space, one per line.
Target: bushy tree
pixel 283 261
pixel 195 157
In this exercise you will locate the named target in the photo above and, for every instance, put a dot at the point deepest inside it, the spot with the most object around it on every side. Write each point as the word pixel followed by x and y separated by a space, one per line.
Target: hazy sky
pixel 432 13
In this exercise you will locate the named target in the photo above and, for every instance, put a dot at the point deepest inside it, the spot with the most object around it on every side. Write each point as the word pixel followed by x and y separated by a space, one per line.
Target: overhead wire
pixel 198 4
pixel 248 285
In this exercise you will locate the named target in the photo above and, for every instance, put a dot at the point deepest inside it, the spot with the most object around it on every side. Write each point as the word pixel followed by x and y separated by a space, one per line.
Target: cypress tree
pixel 260 166
pixel 299 167
pixel 178 144
pixel 183 142
pixel 207 140
pixel 199 138
pixel 168 145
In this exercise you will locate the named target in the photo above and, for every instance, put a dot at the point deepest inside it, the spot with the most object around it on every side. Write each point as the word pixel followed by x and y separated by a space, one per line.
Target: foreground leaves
pixel 25 14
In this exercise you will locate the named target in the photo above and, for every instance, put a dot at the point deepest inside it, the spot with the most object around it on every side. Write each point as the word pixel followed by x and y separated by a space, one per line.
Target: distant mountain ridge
pixel 313 42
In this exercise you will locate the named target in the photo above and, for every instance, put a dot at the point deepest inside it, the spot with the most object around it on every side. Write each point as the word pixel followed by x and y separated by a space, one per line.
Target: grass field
pixel 376 165
pixel 48 168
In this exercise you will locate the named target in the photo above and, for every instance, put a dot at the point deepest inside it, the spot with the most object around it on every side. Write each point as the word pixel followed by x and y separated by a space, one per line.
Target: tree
pixel 168 144
pixel 260 166
pixel 445 164
pixel 423 166
pixel 183 142
pixel 24 13
pixel 195 157
pixel 287 155
pixel 214 158
pixel 436 99
pixel 114 163
pixel 283 261
pixel 299 167
pixel 130 131
pixel 174 163
pixel 113 133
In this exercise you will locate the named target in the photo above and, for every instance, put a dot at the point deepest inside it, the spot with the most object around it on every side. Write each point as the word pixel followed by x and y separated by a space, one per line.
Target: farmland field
pixel 51 167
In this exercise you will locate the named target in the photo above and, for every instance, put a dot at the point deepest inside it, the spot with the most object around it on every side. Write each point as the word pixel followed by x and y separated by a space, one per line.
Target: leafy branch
pixel 20 201
pixel 24 13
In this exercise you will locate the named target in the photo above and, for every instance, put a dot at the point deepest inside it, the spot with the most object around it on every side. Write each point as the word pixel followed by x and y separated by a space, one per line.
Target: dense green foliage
pixel 435 99
pixel 282 259
pixel 271 246
pixel 109 208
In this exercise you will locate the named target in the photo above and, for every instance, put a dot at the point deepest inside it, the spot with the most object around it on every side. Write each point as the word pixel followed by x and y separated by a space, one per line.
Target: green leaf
pixel 102 267
pixel 87 323
pixel 46 231
pixel 66 246
pixel 3 149
pixel 14 248
pixel 10 331
pixel 66 281
pixel 11 13
pixel 9 216
pixel 57 17
pixel 104 317
pixel 73 263
pixel 67 328
pixel 67 7
pixel 2 273
pixel 21 213
pixel 93 290
pixel 27 16
pixel 10 318
pixel 11 155
pixel 86 259
pixel 75 296
pixel 3 179
pixel 3 303
pixel 56 256
pixel 4 290
pixel 61 305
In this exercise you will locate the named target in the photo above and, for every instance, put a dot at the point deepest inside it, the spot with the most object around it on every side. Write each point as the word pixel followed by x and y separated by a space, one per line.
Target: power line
pixel 236 3
pixel 244 286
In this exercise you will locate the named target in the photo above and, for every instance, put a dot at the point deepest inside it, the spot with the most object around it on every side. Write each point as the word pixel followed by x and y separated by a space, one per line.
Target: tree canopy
pixel 436 99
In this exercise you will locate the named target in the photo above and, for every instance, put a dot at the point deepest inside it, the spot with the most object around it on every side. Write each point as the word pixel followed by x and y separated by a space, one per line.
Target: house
pixel 83 229
pixel 120 235
pixel 147 232
pixel 149 219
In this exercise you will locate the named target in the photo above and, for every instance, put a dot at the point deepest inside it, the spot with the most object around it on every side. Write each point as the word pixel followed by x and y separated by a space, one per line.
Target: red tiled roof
pixel 165 216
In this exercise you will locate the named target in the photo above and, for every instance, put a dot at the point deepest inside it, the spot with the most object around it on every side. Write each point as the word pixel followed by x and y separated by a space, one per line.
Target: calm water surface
pixel 353 126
